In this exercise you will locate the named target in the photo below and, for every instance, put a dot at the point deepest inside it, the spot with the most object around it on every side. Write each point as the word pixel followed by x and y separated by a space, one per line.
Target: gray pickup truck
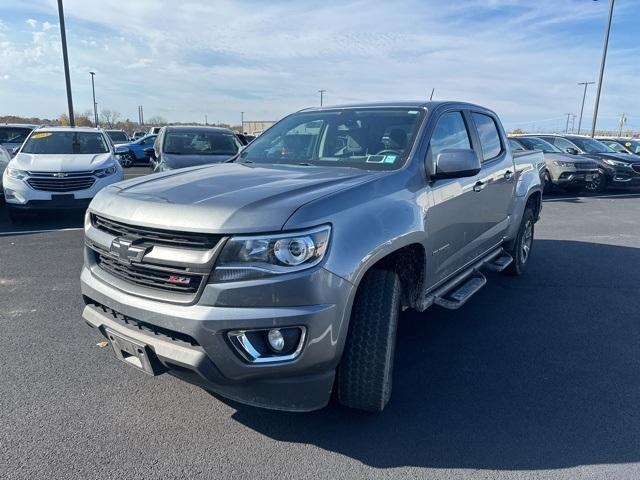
pixel 277 278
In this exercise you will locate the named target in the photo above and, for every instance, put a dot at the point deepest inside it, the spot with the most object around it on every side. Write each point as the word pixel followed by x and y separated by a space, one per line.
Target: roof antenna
pixel 432 90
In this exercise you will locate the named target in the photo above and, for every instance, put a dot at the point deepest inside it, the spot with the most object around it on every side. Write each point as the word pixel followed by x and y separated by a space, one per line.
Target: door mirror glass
pixel 456 163
pixel 572 151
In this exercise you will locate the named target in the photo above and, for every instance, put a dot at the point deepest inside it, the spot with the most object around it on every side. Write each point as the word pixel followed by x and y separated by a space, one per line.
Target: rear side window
pixel 489 136
pixel 450 132
pixel 561 143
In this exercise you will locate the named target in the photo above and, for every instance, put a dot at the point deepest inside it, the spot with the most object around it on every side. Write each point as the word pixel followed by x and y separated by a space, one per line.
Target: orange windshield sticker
pixel 41 135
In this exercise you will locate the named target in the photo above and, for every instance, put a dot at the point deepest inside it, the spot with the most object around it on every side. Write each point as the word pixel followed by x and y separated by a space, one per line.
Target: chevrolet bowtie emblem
pixel 125 249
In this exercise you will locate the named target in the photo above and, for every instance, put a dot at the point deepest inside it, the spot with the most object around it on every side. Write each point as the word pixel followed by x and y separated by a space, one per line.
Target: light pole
pixel 241 122
pixel 584 95
pixel 65 59
pixel 95 105
pixel 566 128
pixel 602 63
pixel 321 92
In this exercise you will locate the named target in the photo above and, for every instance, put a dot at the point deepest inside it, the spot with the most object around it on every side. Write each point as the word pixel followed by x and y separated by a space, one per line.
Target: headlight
pixel 105 172
pixel 244 258
pixel 615 163
pixel 17 174
pixel 563 164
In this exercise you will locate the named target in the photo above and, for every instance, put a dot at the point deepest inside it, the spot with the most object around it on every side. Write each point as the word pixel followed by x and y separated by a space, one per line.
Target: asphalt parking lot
pixel 536 377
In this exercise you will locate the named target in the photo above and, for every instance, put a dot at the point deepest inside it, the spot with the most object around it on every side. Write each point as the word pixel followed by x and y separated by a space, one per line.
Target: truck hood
pixel 223 198
pixel 59 162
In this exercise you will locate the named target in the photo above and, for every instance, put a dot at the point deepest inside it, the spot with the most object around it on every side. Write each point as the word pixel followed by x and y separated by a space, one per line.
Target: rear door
pixel 496 182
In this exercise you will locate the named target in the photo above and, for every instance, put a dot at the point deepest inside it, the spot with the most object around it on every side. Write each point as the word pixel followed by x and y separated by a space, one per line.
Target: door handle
pixel 508 174
pixel 479 186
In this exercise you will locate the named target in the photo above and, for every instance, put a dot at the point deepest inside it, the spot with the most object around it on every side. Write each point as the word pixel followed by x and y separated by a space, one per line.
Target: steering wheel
pixel 389 151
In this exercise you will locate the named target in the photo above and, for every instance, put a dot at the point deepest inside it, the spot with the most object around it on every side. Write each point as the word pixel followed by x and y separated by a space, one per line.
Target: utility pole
pixel 566 128
pixel 95 105
pixel 622 121
pixel 584 95
pixel 573 122
pixel 205 120
pixel 65 59
pixel 321 92
pixel 141 115
pixel 602 64
pixel 241 122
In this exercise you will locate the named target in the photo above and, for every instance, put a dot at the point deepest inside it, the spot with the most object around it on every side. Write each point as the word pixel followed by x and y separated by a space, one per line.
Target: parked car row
pixel 574 161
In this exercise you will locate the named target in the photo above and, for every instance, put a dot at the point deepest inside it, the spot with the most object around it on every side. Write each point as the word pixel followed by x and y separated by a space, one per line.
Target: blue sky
pixel 182 60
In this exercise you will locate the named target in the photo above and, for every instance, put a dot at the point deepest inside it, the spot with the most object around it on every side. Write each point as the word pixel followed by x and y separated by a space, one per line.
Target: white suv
pixel 59 167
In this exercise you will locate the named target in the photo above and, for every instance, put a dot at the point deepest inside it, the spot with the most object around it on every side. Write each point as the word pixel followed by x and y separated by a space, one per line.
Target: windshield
pixel 532 143
pixel 200 142
pixel 13 134
pixel 118 136
pixel 590 145
pixel 371 138
pixel 66 143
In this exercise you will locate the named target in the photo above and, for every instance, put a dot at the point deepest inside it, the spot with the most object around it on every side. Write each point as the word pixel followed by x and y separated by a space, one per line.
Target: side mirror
pixel 456 163
pixel 121 150
pixel 150 152
pixel 572 151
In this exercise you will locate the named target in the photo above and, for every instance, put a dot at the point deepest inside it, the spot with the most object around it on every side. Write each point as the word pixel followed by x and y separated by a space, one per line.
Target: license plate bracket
pixel 133 353
pixel 588 177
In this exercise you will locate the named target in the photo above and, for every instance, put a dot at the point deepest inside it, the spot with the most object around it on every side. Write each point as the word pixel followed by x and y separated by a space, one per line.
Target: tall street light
pixel 321 92
pixel 584 95
pixel 95 105
pixel 602 63
pixel 241 122
pixel 65 59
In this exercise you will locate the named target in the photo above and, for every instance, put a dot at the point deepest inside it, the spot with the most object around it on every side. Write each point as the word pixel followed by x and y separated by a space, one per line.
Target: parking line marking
pixel 18 232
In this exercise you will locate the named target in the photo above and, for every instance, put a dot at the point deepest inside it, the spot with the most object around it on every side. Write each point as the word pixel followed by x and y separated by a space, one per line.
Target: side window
pixel 562 144
pixel 450 132
pixel 489 136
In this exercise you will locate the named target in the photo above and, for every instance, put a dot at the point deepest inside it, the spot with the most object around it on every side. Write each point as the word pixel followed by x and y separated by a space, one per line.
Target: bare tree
pixel 156 121
pixel 109 117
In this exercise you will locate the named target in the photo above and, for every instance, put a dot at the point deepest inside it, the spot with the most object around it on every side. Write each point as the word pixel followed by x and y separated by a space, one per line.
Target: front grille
pixel 71 182
pixel 155 236
pixel 636 167
pixel 150 276
pixel 586 165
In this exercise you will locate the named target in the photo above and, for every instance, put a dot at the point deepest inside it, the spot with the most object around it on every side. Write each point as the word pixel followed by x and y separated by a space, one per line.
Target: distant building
pixel 256 127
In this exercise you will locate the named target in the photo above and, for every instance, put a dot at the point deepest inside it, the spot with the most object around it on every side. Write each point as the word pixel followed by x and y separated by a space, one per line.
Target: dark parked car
pixel 616 169
pixel 187 146
pixel 118 137
pixel 129 153
pixel 623 145
pixel 13 135
pixel 563 170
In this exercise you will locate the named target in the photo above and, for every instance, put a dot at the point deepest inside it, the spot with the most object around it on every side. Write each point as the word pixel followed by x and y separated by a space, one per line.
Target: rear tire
pixel 520 248
pixel 366 371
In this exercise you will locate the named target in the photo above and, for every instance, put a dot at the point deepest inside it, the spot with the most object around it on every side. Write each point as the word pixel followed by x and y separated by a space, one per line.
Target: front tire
pixel 520 248
pixel 598 184
pixel 127 160
pixel 366 371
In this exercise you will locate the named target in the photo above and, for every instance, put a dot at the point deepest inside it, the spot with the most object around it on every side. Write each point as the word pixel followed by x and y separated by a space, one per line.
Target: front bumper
pixel 19 193
pixel 191 342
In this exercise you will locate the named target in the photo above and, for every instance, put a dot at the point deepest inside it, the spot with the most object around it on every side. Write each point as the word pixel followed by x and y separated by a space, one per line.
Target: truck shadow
pixel 536 372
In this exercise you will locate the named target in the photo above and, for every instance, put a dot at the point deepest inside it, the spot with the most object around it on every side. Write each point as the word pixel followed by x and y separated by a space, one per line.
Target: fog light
pixel 276 340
